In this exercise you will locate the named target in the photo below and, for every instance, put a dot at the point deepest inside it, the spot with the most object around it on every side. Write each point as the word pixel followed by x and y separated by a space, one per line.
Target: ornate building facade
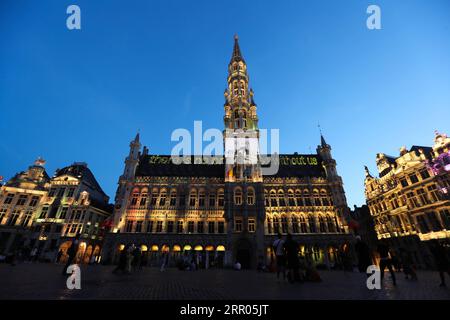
pixel 222 212
pixel 409 201
pixel 37 211
pixel 20 198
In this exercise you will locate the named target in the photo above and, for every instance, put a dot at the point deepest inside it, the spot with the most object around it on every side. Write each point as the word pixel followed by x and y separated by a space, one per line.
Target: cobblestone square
pixel 45 281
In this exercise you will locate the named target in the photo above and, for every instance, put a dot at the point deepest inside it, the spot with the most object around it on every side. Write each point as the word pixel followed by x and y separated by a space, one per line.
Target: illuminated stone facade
pixel 37 211
pixel 409 200
pixel 222 212
pixel 19 199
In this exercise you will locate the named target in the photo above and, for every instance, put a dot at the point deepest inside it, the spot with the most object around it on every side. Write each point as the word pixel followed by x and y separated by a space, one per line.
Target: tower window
pixel 251 225
pixel 238 225
pixel 238 196
pixel 250 196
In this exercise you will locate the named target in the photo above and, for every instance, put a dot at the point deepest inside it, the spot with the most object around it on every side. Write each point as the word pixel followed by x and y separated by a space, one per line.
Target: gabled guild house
pixel 220 212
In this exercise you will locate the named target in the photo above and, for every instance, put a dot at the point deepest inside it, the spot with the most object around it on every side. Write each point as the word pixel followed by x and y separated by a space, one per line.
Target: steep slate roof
pixel 162 166
pixel 80 171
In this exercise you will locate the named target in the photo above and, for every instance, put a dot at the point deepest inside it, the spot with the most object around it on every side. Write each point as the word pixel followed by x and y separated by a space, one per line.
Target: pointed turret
pixel 237 56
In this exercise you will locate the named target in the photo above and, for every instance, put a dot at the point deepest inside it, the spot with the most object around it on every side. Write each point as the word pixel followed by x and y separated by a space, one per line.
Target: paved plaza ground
pixel 45 281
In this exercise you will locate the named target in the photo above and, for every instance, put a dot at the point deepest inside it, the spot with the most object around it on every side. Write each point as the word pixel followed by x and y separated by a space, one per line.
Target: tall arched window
pixel 162 198
pixel 276 224
pixel 201 198
pixel 322 227
pixel 173 197
pixel 316 197
pixel 273 198
pixel 154 197
pixel 143 199
pixel 134 197
pixel 330 224
pixel 291 198
pixel 281 200
pixel 238 196
pixel 220 198
pixel 193 198
pixel 312 224
pixel 298 195
pixel 284 224
pixel 324 195
pixel 250 196
pixel 294 224
pixel 303 224
pixel 306 198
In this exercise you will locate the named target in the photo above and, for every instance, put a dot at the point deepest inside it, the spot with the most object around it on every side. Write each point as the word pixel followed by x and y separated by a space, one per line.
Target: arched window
pixel 316 198
pixel 193 198
pixel 298 195
pixel 173 197
pixel 306 198
pixel 322 227
pixel 281 200
pixel 154 197
pixel 284 224
pixel 212 200
pixel 303 224
pixel 330 224
pixel 324 196
pixel 134 197
pixel 294 224
pixel 273 198
pixel 276 224
pixel 250 196
pixel 291 198
pixel 162 198
pixel 238 196
pixel 220 198
pixel 143 200
pixel 201 198
pixel 312 224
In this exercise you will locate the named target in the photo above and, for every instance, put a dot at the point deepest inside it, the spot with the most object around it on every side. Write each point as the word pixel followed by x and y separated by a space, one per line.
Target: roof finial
pixel 236 36
pixel 237 56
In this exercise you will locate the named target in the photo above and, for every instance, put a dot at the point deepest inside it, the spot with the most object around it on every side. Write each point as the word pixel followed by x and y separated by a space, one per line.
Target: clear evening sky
pixel 156 66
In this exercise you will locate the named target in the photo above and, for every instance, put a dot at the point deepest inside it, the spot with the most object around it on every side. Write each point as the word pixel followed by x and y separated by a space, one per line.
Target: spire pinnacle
pixel 237 56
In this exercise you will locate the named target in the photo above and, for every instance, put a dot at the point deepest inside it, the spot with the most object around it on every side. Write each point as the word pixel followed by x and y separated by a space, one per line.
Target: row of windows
pixel 21 200
pixel 278 199
pixel 173 199
pixel 16 218
pixel 413 199
pixel 426 222
pixel 300 224
pixel 59 192
pixel 174 226
pixel 413 178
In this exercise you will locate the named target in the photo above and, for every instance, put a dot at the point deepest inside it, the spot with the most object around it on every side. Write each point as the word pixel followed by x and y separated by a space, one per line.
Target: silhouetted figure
pixel 363 253
pixel 291 248
pixel 137 256
pixel 59 255
pixel 385 262
pixel 407 264
pixel 278 248
pixel 72 253
pixel 121 266
pixel 441 259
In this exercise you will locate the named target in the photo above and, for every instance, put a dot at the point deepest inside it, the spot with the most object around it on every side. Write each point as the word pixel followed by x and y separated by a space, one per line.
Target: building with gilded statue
pixel 221 212
pixel 409 200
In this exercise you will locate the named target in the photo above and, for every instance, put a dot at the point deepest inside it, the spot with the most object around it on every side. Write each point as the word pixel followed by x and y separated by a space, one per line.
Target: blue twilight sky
pixel 158 65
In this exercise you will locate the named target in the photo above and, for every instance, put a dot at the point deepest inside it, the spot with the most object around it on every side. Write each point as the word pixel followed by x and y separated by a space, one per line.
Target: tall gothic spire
pixel 237 56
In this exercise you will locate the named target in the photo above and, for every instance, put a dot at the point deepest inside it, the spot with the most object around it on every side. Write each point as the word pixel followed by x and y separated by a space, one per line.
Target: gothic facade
pixel 409 201
pixel 226 211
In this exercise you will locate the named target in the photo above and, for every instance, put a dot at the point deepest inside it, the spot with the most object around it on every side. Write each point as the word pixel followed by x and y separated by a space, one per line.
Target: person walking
pixel 278 248
pixel 72 253
pixel 129 258
pixel 385 262
pixel 363 253
pixel 441 260
pixel 33 254
pixel 165 257
pixel 291 248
